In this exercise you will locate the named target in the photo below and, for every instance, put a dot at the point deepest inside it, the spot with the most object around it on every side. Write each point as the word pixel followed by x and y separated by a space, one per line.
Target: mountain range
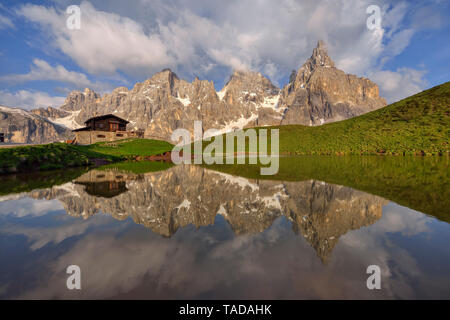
pixel 316 94
pixel 21 126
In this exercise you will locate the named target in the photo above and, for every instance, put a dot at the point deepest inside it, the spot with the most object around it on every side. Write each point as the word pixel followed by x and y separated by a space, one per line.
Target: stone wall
pixel 90 137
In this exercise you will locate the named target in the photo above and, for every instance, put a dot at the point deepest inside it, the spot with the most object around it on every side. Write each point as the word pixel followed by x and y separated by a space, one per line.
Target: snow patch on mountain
pixel 185 101
pixel 235 125
pixel 69 121
pixel 17 111
pixel 271 102
pixel 221 93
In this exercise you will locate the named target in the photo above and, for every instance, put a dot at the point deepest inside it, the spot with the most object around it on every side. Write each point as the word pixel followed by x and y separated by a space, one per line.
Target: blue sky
pixel 120 43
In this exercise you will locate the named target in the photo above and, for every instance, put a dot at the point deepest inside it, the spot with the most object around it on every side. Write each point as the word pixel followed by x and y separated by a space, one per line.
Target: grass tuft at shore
pixel 60 155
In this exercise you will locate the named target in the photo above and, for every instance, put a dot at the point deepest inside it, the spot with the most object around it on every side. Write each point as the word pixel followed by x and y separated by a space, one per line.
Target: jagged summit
pixel 320 56
pixel 88 91
pixel 164 75
pixel 167 71
pixel 249 78
pixel 317 93
pixel 243 75
pixel 253 96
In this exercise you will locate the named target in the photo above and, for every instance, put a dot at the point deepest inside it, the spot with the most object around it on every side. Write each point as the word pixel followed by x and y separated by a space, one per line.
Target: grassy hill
pixel 128 148
pixel 419 124
pixel 60 155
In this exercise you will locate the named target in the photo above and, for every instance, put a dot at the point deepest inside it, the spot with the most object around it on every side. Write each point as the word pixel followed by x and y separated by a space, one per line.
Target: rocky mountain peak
pixel 320 93
pixel 166 79
pixel 165 75
pixel 318 59
pixel 77 99
pixel 249 80
pixel 88 91
pixel 246 75
pixel 248 88
pixel 320 56
pixel 21 126
pixel 120 90
pixel 317 93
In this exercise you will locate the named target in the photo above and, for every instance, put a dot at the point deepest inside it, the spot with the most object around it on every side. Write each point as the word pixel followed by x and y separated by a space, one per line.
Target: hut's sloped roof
pixel 105 117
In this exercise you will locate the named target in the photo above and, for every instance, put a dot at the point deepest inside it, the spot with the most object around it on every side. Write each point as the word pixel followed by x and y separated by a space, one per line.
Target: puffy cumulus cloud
pixel 21 206
pixel 208 38
pixel 27 99
pixel 105 43
pixel 396 85
pixel 270 37
pixel 42 70
pixel 398 264
pixel 39 237
pixel 403 220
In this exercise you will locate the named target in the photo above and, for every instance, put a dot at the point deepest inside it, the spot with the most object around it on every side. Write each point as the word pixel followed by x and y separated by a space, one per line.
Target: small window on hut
pixel 119 135
pixel 101 136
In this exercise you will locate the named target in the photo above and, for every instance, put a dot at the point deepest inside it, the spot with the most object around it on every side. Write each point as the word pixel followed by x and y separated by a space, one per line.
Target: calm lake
pixel 153 230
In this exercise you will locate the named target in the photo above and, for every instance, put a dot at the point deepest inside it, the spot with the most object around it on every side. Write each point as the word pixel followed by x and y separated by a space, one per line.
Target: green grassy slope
pixel 42 157
pixel 129 148
pixel 60 155
pixel 419 124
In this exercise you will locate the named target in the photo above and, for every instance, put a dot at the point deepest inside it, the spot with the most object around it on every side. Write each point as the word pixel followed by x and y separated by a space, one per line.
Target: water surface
pixel 153 230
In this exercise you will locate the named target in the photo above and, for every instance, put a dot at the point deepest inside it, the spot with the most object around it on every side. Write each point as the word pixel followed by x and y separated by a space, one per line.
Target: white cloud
pixel 5 22
pixel 195 263
pixel 207 39
pixel 41 70
pixel 406 221
pixel 266 36
pixel 427 18
pixel 22 206
pixel 29 99
pixel 398 43
pixel 393 18
pixel 396 85
pixel 105 43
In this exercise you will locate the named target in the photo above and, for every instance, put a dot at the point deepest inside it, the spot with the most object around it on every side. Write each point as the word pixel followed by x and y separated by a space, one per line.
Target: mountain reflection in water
pixel 168 200
pixel 215 235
